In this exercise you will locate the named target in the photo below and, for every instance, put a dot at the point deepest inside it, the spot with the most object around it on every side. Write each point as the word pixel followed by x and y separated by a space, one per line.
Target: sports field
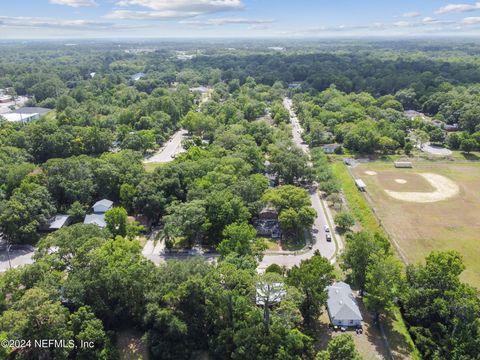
pixel 434 206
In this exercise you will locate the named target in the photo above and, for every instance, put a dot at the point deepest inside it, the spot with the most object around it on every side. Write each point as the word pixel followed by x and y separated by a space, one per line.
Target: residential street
pixel 172 148
pixel 326 249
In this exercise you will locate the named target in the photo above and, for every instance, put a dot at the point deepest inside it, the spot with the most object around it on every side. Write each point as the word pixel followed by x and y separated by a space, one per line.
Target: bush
pixel 344 221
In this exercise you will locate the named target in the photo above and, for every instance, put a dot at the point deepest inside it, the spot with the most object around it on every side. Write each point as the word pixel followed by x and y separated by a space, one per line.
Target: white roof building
pixel 102 206
pixel 342 307
pixel 95 219
pixel 20 117
pixel 56 222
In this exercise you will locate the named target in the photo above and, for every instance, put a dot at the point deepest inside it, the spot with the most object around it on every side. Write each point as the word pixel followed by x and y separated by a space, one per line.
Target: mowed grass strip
pixel 398 337
pixel 357 203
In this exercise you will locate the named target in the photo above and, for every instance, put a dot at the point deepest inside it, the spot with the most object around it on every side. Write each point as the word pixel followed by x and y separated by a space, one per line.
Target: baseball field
pixel 433 206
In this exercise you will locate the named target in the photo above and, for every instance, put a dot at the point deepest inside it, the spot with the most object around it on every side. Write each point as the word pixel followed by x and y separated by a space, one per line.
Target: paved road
pixel 435 150
pixel 19 255
pixel 172 148
pixel 326 249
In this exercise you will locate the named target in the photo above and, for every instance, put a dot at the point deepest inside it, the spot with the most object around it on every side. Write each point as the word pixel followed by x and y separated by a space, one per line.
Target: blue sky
pixel 236 18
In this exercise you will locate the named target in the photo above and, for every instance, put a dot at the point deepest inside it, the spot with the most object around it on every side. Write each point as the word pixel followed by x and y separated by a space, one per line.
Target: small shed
pixel 102 206
pixel 403 164
pixel 342 307
pixel 361 185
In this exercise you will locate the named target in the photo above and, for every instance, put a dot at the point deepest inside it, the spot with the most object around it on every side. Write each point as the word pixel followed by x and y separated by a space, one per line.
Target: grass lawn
pixel 395 329
pixel 150 167
pixel 295 243
pixel 272 244
pixel 357 204
pixel 420 228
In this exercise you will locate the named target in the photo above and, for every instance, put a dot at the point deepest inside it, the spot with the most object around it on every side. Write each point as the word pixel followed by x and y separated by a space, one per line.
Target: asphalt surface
pixel 326 248
pixel 435 150
pixel 19 255
pixel 172 148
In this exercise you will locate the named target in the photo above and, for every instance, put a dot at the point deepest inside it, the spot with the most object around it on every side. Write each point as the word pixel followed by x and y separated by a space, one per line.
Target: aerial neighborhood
pixel 236 189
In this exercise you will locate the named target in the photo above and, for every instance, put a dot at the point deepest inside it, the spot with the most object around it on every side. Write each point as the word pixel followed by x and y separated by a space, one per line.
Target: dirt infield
pixel 420 225
pixel 444 189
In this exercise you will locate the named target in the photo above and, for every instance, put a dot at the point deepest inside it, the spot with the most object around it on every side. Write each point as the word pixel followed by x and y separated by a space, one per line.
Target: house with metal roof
pixel 102 206
pixel 95 219
pixel 342 307
pixel 56 222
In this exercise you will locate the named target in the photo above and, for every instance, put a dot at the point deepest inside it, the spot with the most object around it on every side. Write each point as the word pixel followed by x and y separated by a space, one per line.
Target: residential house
pixel 95 219
pixel 102 206
pixel 56 222
pixel 342 307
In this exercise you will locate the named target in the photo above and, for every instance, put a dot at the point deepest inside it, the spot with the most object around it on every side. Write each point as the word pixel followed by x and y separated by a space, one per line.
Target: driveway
pixel 19 255
pixel 435 150
pixel 172 148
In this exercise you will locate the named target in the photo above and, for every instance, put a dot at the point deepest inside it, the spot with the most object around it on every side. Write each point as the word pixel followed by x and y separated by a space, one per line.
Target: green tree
pixel 117 220
pixel 312 278
pixel 340 347
pixel 383 284
pixel 36 317
pixel 442 312
pixel 344 221
pixel 361 250
pixel 468 145
pixel 188 220
pixel 87 328
pixel 241 238
pixel 77 212
pixel 29 207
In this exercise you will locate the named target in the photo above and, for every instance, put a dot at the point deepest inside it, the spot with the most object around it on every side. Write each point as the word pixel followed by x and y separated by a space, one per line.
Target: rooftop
pixel 95 219
pixel 31 110
pixel 104 202
pixel 16 117
pixel 56 222
pixel 341 304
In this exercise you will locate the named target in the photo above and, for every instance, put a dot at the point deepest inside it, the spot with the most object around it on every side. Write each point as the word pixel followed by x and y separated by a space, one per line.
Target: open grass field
pixel 434 206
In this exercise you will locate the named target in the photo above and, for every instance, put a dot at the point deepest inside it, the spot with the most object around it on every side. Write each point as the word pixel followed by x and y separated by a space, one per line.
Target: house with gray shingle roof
pixel 95 219
pixel 102 206
pixel 342 307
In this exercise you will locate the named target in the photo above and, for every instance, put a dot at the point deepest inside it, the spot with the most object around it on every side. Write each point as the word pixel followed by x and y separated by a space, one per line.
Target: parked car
pixel 326 228
pixel 328 236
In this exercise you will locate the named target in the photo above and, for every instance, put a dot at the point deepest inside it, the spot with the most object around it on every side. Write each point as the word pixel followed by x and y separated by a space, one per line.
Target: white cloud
pixel 402 24
pixel 227 21
pixel 471 20
pixel 75 3
pixel 168 9
pixel 458 8
pixel 411 14
pixel 42 22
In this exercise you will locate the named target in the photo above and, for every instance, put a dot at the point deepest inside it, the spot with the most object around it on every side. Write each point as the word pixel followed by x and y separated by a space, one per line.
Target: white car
pixel 326 228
